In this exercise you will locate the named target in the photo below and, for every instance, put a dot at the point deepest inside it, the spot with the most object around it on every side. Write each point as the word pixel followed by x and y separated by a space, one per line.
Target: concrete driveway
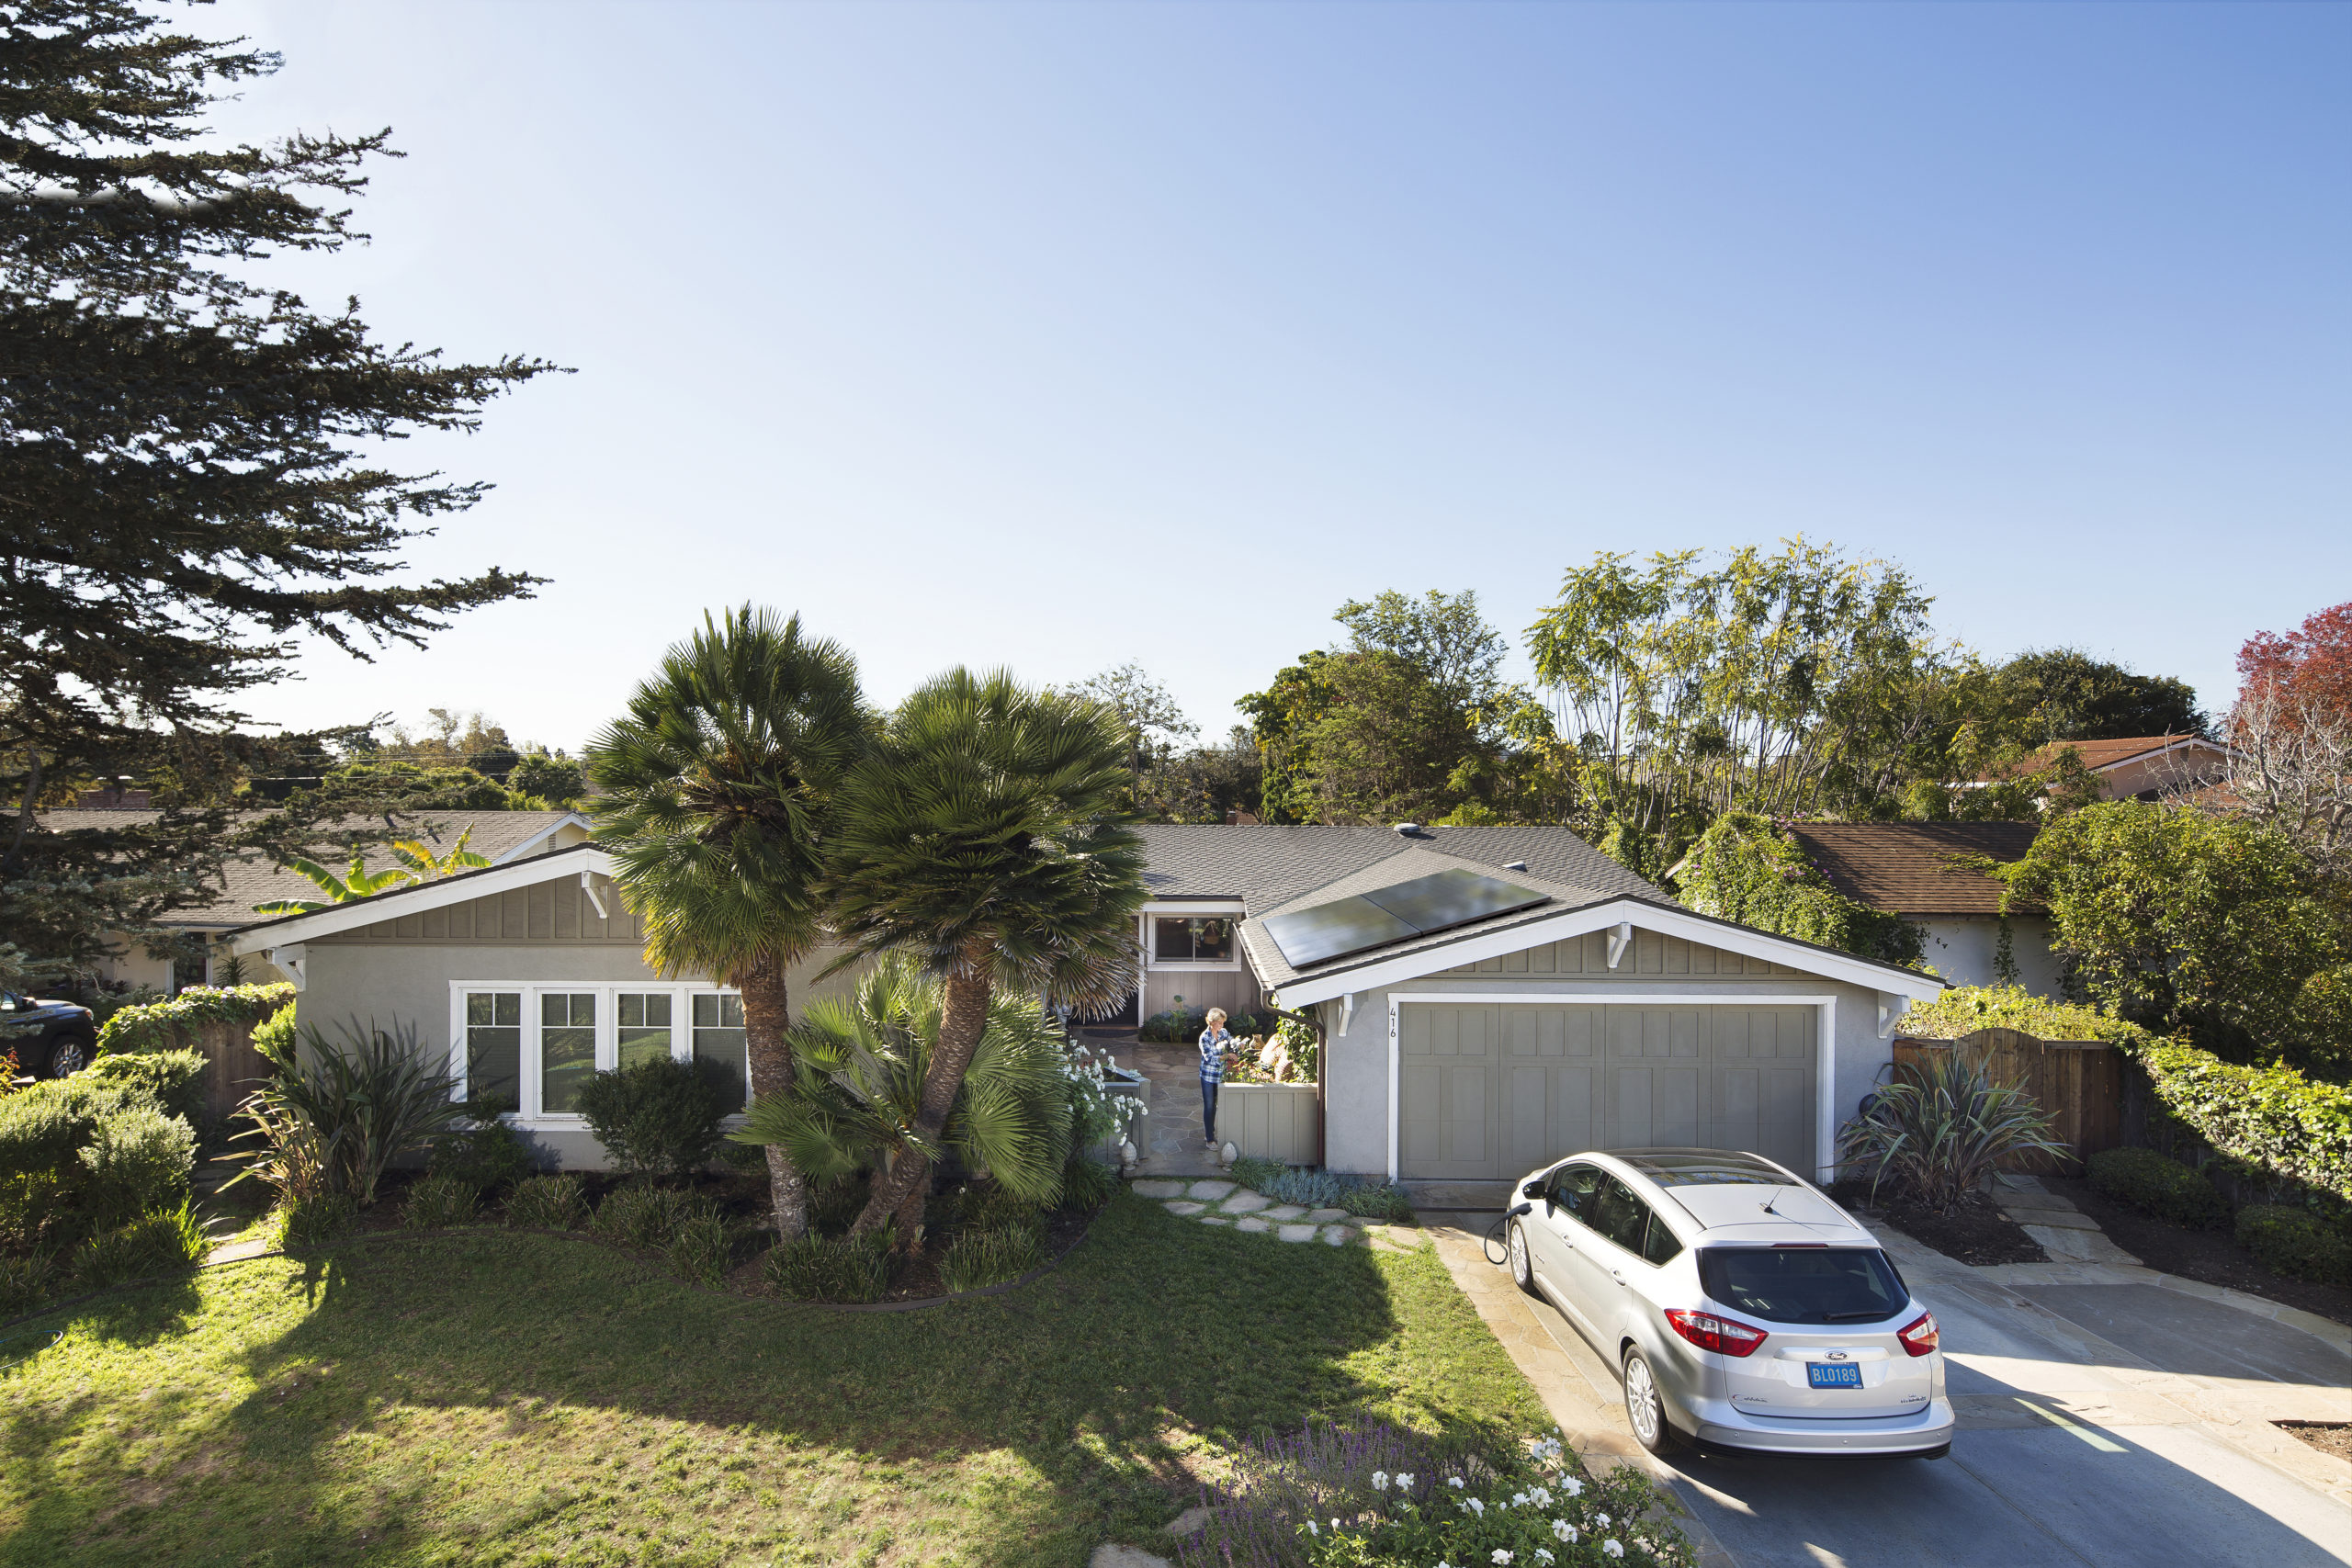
pixel 2103 1423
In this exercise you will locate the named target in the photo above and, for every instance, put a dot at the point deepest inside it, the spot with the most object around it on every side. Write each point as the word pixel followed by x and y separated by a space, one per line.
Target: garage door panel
pixel 1547 1112
pixel 1448 1080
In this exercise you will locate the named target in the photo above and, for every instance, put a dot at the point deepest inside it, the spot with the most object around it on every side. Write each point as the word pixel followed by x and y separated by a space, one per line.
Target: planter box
pixel 1279 1121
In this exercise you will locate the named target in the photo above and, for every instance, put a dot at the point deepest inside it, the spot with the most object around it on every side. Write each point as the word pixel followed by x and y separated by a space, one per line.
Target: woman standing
pixel 1215 1043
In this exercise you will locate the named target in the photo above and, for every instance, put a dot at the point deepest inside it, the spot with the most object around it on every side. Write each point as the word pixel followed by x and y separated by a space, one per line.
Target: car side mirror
pixel 1532 1190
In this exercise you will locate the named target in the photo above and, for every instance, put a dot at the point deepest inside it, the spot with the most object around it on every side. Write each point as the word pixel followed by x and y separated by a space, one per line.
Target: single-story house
pixel 1906 869
pixel 2142 767
pixel 500 837
pixel 1491 996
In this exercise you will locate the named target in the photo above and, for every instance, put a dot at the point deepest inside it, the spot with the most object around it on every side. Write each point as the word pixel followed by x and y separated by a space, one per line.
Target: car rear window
pixel 1803 1284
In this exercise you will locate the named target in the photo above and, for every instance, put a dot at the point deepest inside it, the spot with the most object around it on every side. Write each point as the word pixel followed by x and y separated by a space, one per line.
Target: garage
pixel 1488 1090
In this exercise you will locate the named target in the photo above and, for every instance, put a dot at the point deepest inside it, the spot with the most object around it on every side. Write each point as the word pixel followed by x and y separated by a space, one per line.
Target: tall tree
pixel 2290 735
pixel 984 835
pixel 718 785
pixel 2064 693
pixel 183 486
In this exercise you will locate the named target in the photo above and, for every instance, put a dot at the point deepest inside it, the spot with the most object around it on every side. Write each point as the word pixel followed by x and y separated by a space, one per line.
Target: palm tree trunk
pixel 962 1023
pixel 767 1019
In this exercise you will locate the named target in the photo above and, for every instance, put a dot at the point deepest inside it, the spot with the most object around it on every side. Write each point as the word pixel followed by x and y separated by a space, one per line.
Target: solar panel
pixel 1419 908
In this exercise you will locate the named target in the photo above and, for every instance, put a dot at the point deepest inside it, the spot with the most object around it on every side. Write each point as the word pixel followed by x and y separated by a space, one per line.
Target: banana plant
pixel 359 884
pixel 413 855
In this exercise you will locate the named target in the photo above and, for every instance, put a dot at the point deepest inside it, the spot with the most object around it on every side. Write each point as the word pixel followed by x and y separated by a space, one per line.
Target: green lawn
pixel 522 1399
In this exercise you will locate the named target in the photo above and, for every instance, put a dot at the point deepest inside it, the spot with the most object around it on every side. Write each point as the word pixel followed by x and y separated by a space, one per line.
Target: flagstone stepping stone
pixel 1185 1211
pixel 1158 1188
pixel 1215 1220
pixel 1251 1223
pixel 1341 1235
pixel 1244 1203
pixel 1284 1212
pixel 1328 1216
pixel 1210 1191
pixel 1295 1233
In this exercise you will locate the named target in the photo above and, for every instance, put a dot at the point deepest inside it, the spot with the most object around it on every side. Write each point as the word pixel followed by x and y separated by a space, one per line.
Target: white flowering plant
pixel 1098 1108
pixel 1538 1509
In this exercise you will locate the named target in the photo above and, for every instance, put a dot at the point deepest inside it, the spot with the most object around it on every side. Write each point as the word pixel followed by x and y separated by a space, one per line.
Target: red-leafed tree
pixel 2291 733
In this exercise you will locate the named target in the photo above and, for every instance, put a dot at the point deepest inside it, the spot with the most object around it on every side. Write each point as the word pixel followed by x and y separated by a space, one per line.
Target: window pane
pixel 719 1038
pixel 644 1026
pixel 1171 939
pixel 1661 1245
pixel 1619 1216
pixel 567 1049
pixel 494 1046
pixel 1213 940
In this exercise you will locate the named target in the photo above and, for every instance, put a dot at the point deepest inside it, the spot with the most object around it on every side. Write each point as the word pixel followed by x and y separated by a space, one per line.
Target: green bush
pixel 642 1214
pixel 984 1205
pixel 2164 1187
pixel 2273 1118
pixel 990 1257
pixel 440 1202
pixel 703 1249
pixel 173 1080
pixel 1369 1196
pixel 820 1269
pixel 549 1204
pixel 659 1117
pixel 1377 1201
pixel 834 1205
pixel 1965 1010
pixel 164 1025
pixel 486 1156
pixel 336 1115
pixel 274 1037
pixel 138 1161
pixel 1941 1129
pixel 313 1219
pixel 1180 1025
pixel 2296 1243
pixel 1087 1183
pixel 24 1283
pixel 1747 868
pixel 152 1244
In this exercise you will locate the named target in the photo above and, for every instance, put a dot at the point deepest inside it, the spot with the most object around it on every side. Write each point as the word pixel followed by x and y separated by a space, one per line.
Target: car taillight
pixel 1920 1339
pixel 1724 1336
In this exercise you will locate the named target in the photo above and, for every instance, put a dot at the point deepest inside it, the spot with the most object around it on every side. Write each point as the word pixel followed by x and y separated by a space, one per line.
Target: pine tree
pixel 183 488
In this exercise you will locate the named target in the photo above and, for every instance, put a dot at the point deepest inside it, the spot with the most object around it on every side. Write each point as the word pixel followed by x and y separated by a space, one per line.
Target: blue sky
pixel 1061 335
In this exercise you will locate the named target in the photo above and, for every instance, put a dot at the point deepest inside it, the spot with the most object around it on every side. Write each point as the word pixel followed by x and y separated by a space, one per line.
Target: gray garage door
pixel 1494 1089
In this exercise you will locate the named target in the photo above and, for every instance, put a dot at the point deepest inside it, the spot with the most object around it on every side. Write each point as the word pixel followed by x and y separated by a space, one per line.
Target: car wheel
pixel 70 1055
pixel 1522 1268
pixel 1645 1411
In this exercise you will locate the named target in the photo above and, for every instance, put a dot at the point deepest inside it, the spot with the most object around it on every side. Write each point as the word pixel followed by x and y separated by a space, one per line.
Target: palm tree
pixel 715 790
pixel 982 836
pixel 860 1065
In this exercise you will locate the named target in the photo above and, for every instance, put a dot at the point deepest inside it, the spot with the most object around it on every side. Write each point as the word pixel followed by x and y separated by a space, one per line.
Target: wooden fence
pixel 2078 1082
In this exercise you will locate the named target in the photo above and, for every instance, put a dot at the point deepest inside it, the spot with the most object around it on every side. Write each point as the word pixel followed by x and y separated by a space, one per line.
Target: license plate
pixel 1824 1374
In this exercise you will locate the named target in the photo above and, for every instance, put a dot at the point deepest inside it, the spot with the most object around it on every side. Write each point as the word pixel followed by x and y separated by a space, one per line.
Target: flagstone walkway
pixel 1222 1203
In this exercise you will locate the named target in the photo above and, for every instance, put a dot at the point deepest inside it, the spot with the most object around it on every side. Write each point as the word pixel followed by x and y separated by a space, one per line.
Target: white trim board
pixel 1423 963
pixel 1825 1047
pixel 420 896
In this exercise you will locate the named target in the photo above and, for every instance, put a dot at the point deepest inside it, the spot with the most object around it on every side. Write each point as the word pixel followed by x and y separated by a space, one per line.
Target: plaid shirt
pixel 1214 1043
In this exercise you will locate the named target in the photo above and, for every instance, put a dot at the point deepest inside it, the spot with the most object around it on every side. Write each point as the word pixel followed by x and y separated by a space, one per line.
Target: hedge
pixel 1964 1009
pixel 2296 1243
pixel 2273 1118
pixel 2161 1186
pixel 159 1026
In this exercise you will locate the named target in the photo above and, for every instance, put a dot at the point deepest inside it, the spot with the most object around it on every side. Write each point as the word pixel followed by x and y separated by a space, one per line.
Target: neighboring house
pixel 2143 767
pixel 1906 868
pixel 499 837
pixel 1491 997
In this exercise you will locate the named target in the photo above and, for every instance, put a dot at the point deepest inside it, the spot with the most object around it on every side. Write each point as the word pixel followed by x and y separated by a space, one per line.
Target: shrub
pixel 1180 1025
pixel 137 1162
pixel 274 1037
pixel 549 1204
pixel 834 1205
pixel 659 1117
pixel 1941 1129
pixel 984 1205
pixel 2274 1118
pixel 24 1283
pixel 821 1269
pixel 1370 1196
pixel 703 1249
pixel 335 1116
pixel 314 1219
pixel 1086 1183
pixel 642 1214
pixel 486 1156
pixel 440 1202
pixel 1747 868
pixel 2296 1243
pixel 173 1080
pixel 2164 1187
pixel 990 1257
pixel 152 1244
pixel 1965 1010
pixel 163 1025
pixel 1377 1201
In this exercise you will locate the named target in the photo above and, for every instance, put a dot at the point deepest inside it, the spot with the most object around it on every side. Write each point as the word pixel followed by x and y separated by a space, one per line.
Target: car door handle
pixel 1618 1275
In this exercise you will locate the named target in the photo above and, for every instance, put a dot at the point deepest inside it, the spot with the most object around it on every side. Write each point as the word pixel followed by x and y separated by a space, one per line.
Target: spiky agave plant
pixel 1941 1131
pixel 860 1066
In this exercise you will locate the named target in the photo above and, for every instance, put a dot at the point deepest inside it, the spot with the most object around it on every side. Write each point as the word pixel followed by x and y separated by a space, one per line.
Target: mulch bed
pixel 1975 1233
pixel 2327 1436
pixel 2211 1258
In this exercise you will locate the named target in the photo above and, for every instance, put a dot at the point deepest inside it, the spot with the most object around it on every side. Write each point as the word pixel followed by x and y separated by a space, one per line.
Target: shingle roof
pixel 251 879
pixel 1904 868
pixel 1266 865
pixel 2098 755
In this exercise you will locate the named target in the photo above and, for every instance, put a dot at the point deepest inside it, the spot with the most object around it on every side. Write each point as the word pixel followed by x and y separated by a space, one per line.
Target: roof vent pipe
pixel 1514 865
pixel 1408 830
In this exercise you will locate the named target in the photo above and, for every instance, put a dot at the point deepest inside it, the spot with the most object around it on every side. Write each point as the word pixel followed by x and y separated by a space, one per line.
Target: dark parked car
pixel 50 1039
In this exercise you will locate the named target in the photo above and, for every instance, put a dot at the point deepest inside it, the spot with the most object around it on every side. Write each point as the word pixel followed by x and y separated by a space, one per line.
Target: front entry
pixel 1491 1090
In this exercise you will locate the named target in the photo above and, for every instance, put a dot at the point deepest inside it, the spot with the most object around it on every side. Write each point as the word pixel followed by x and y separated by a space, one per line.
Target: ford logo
pixel 1839 1356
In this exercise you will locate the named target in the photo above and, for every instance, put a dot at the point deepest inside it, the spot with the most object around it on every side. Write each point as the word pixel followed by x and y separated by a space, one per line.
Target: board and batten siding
pixel 551 911
pixel 1651 957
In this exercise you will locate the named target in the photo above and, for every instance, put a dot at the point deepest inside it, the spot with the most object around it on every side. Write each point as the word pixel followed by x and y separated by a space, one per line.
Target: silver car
pixel 1742 1308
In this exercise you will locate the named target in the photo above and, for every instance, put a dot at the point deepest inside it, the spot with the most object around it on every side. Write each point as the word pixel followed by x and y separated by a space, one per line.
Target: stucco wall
pixel 1964 951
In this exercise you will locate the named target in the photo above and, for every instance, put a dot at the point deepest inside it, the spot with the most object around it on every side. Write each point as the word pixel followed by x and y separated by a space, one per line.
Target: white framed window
pixel 1181 936
pixel 533 1046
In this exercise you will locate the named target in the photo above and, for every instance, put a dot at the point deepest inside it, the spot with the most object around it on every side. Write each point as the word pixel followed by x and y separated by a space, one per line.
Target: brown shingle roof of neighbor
pixel 1904 868
pixel 2101 754
pixel 251 880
